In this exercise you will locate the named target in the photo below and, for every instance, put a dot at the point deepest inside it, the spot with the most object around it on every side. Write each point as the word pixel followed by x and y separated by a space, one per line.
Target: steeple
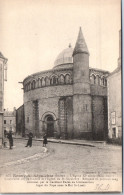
pixel 81 46
pixel 1 56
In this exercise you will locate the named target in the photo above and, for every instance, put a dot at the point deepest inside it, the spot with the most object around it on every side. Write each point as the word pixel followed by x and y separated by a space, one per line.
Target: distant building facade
pixel 3 68
pixel 10 120
pixel 115 100
pixel 20 121
pixel 70 100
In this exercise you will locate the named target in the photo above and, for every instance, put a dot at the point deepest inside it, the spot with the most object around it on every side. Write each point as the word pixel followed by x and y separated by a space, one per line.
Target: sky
pixel 34 32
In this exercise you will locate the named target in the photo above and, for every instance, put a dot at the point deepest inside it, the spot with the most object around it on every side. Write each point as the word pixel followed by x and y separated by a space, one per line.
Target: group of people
pixel 29 143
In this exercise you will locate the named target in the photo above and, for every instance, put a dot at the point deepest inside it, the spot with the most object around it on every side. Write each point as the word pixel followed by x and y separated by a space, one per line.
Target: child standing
pixel 44 140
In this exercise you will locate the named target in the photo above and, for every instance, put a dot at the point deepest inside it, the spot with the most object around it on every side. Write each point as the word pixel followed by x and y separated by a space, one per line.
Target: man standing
pixel 44 140
pixel 29 143
pixel 10 138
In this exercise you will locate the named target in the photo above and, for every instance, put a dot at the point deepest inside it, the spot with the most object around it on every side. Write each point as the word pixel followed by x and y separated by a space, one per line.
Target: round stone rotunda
pixel 70 100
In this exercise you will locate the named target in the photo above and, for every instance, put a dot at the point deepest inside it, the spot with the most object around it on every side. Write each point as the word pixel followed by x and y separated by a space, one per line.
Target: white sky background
pixel 34 32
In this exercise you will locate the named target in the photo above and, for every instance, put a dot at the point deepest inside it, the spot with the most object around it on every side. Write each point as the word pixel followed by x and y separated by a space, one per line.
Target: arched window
pixel 39 82
pixel 103 81
pixel 25 87
pixel 93 79
pixel 43 82
pixel 67 79
pixel 97 80
pixel 47 81
pixel 33 84
pixel 29 85
pixel 61 79
pixel 36 83
pixel 54 80
pixel 100 81
pixel 106 82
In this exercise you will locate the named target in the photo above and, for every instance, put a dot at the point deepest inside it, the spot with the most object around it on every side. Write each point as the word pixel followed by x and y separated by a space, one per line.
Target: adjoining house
pixel 115 100
pixel 3 77
pixel 10 120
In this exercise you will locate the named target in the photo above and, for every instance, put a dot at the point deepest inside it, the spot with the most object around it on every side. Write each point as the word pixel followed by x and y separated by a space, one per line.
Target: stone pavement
pixel 60 159
pixel 26 159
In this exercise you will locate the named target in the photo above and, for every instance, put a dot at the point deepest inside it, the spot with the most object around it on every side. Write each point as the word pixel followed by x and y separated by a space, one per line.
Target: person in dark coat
pixel 29 143
pixel 44 140
pixel 10 138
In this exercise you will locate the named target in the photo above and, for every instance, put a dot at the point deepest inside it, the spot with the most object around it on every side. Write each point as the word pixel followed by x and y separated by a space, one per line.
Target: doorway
pixel 114 132
pixel 49 126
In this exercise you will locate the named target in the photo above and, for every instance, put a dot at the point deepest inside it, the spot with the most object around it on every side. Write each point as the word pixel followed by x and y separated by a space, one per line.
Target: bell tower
pixel 82 116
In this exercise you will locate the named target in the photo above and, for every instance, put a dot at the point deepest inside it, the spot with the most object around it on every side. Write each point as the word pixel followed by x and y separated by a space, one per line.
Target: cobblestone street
pixel 60 167
pixel 60 158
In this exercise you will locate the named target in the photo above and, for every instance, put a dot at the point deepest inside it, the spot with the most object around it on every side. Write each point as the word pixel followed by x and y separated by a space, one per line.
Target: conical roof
pixel 2 56
pixel 81 46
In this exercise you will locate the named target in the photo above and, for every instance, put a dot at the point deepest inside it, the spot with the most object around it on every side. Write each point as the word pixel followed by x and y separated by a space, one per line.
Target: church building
pixel 70 100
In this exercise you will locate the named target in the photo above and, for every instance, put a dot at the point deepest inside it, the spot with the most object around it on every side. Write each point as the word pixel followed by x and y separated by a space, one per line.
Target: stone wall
pixel 48 92
pixel 28 110
pixel 20 121
pixel 99 117
pixel 98 90
pixel 50 106
pixel 66 117
pixel 69 117
pixel 48 103
pixel 82 116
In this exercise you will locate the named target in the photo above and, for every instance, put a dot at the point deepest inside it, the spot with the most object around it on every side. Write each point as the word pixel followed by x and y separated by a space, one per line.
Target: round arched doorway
pixel 49 125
